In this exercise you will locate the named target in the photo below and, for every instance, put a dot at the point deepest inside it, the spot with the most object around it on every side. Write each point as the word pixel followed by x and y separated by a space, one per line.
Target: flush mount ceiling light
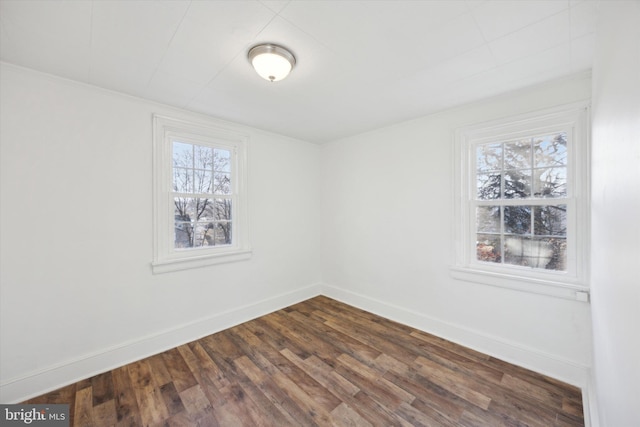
pixel 271 62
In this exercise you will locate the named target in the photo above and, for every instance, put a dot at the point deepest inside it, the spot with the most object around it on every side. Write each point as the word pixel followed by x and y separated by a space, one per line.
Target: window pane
pixel 517 155
pixel 489 157
pixel 204 209
pixel 558 261
pixel 222 183
pixel 488 186
pixel 201 222
pixel 200 235
pixel 517 184
pixel 189 210
pixel 550 150
pixel 202 181
pixel 546 253
pixel 222 160
pixel 550 182
pixel 517 219
pixel 212 234
pixel 203 157
pixel 183 235
pixel 182 210
pixel 222 233
pixel 488 219
pixel 182 180
pixel 222 210
pixel 182 155
pixel 488 248
pixel 550 220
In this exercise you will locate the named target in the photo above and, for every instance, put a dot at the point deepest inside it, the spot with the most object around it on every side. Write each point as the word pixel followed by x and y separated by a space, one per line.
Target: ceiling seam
pixel 90 53
pixel 242 52
pixel 484 38
pixel 168 45
pixel 532 23
pixel 570 38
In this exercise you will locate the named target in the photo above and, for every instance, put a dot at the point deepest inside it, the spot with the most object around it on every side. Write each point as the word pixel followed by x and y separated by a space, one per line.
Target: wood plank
pixel 159 371
pixel 269 414
pixel 127 410
pixel 279 397
pixel 84 408
pixel 377 412
pixel 181 419
pixel 320 362
pixel 102 386
pixel 196 403
pixel 455 383
pixel 425 419
pixel 533 391
pixel 206 366
pixel 213 394
pixel 344 416
pixel 476 417
pixel 347 341
pixel 105 414
pixel 150 401
pixel 178 369
pixel 274 338
pixel 434 396
pixel 309 342
pixel 448 345
pixel 377 382
pixel 235 395
pixel 571 407
pixel 171 399
pixel 253 345
pixel 361 377
pixel 323 374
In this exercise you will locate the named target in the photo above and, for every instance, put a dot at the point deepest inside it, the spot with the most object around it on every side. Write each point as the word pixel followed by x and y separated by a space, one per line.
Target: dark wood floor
pixel 321 363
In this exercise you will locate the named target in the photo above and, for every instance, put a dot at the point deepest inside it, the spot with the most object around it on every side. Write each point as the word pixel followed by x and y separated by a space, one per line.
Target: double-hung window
pixel 199 195
pixel 522 202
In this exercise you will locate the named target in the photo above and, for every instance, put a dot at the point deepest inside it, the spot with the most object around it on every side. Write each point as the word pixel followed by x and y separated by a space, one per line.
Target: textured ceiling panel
pixel 361 64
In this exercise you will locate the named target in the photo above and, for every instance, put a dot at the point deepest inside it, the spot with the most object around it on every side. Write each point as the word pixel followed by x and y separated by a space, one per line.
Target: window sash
pixel 178 251
pixel 570 235
pixel 166 257
pixel 572 119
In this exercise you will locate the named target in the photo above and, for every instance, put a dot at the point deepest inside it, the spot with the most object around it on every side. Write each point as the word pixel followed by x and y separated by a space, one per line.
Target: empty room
pixel 299 213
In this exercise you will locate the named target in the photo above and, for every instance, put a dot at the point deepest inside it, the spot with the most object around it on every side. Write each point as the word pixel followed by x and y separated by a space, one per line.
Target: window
pixel 522 202
pixel 199 197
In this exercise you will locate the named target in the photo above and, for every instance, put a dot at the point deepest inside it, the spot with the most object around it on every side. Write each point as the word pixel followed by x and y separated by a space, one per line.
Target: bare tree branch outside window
pixel 202 196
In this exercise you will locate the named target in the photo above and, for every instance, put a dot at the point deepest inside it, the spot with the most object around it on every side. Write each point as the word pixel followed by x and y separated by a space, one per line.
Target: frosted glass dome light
pixel 271 62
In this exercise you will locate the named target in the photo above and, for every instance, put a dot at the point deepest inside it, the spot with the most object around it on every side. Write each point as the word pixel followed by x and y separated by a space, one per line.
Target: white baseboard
pixel 516 353
pixel 70 371
pixel 55 376
pixel 590 404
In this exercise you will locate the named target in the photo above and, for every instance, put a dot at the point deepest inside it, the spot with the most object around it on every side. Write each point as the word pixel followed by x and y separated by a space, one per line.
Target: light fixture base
pixel 271 61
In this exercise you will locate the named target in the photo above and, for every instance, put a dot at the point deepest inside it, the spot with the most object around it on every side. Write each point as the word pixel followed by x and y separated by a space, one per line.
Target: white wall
pixel 388 239
pixel 77 291
pixel 616 213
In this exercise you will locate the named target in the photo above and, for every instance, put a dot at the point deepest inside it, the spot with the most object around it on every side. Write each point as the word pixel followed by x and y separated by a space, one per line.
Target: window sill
pixel 166 266
pixel 533 285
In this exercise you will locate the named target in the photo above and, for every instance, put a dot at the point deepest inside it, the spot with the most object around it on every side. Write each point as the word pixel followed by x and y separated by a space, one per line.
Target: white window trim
pixel 165 257
pixel 572 284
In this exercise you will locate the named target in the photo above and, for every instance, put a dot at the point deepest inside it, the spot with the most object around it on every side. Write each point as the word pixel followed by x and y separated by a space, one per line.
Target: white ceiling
pixel 361 64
